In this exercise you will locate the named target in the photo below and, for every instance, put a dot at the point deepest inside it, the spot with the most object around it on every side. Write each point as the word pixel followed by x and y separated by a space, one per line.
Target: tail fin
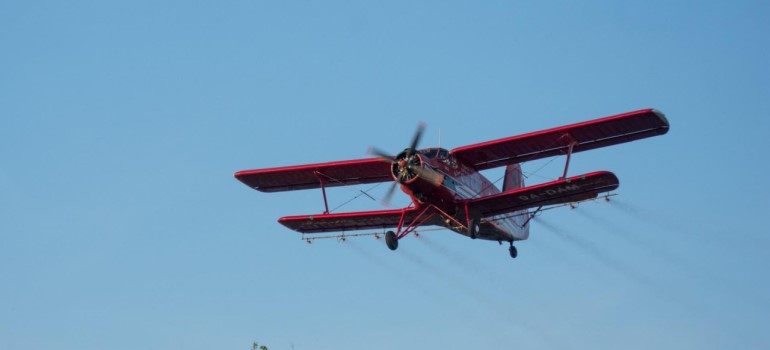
pixel 515 179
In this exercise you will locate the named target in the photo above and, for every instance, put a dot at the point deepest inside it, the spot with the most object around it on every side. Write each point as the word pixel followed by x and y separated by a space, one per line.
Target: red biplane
pixel 447 189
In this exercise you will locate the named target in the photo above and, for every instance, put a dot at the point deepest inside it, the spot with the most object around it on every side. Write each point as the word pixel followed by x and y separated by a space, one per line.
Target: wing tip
pixel 243 178
pixel 663 120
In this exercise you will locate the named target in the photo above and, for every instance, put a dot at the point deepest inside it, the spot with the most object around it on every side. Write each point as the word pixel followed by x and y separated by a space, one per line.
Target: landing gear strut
pixel 473 228
pixel 391 240
pixel 513 251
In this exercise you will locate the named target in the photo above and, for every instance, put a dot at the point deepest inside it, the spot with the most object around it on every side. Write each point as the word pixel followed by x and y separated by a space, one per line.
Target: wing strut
pixel 572 144
pixel 319 176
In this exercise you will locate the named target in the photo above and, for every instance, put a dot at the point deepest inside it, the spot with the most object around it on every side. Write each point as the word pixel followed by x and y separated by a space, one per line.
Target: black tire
pixel 391 240
pixel 473 228
pixel 514 252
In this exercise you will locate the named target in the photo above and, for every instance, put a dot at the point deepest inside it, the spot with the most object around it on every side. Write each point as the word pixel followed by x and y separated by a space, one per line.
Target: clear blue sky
pixel 121 226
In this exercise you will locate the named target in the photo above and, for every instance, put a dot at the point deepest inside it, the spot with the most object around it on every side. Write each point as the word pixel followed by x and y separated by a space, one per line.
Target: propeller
pixel 407 165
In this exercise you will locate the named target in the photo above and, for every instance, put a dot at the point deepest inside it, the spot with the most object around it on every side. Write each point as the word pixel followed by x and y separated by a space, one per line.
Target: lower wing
pixel 573 189
pixel 365 220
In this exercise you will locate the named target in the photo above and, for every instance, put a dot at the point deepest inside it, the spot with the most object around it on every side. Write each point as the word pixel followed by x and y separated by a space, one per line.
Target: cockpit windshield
pixel 434 153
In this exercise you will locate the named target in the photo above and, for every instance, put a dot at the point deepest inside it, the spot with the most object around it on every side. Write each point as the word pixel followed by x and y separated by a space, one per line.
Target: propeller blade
pixel 381 154
pixel 389 194
pixel 415 140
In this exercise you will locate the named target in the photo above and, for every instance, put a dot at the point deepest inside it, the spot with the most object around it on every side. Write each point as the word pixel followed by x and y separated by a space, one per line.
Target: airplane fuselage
pixel 459 183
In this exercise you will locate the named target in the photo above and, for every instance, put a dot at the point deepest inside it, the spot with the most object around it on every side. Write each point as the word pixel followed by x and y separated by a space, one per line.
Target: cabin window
pixel 430 153
pixel 439 153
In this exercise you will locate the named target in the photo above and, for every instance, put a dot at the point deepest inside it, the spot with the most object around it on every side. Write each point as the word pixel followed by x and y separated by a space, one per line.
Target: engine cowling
pixel 403 169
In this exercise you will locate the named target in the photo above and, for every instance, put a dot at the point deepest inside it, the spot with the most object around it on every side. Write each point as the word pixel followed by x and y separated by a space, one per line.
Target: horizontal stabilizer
pixel 573 189
pixel 365 220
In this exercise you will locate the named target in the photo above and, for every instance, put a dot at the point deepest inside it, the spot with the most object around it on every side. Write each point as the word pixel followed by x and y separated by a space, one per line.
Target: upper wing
pixel 300 177
pixel 348 221
pixel 573 189
pixel 585 136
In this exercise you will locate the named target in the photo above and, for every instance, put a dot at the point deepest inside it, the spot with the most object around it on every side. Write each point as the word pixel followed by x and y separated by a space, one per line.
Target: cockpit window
pixel 435 152
pixel 430 153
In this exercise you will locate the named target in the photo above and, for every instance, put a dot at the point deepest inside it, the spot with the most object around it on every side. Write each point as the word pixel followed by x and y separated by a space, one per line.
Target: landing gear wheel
pixel 391 240
pixel 474 228
pixel 513 251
